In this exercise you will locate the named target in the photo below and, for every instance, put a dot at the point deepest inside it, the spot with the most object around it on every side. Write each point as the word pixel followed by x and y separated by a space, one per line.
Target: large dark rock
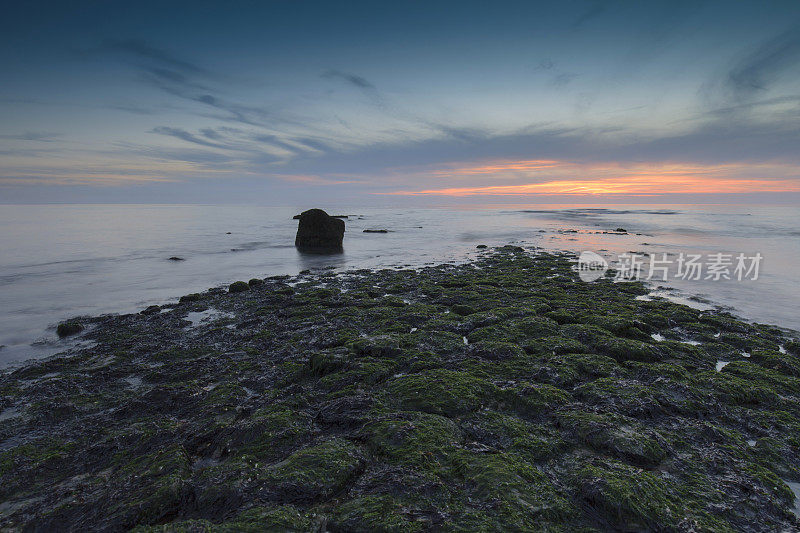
pixel 319 232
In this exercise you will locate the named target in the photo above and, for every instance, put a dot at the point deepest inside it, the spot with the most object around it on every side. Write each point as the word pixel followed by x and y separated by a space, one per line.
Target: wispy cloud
pixel 496 167
pixel 189 82
pixel 313 179
pixel 352 79
pixel 595 10
pixel 362 84
pixel 144 50
pixel 755 72
pixel 40 136
pixel 184 135
pixel 134 109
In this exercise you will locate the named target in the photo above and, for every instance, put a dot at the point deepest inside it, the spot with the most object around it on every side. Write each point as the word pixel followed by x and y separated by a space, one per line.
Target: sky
pixel 384 103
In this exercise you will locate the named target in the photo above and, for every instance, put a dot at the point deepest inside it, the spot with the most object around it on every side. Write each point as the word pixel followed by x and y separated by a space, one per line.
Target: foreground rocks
pixel 502 395
pixel 318 232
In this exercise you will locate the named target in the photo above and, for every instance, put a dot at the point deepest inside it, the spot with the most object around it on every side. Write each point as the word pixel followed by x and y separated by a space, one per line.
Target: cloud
pixel 465 134
pixel 184 135
pixel 765 106
pixel 382 144
pixel 352 79
pixel 134 109
pixel 277 142
pixel 145 50
pixel 41 136
pixel 558 77
pixel 595 10
pixel 311 179
pixel 545 64
pixel 199 157
pixel 756 71
pixel 359 83
pixel 188 81
pixel 210 133
pixel 712 140
pixel 318 145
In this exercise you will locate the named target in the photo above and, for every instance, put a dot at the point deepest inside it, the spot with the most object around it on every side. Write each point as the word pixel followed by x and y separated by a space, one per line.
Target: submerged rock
pixel 319 232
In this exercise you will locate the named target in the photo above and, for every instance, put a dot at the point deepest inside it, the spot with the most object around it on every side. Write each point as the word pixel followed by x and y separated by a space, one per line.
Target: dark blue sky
pixel 287 102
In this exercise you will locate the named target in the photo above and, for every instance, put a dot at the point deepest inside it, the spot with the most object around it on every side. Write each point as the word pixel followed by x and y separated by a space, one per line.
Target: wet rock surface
pixel 499 395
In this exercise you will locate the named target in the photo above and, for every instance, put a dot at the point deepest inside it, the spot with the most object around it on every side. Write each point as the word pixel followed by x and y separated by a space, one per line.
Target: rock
pixel 481 247
pixel 376 231
pixel 621 230
pixel 350 402
pixel 151 310
pixel 238 286
pixel 319 232
pixel 496 350
pixel 297 217
pixel 65 329
pixel 463 310
pixel 176 258
pixel 255 282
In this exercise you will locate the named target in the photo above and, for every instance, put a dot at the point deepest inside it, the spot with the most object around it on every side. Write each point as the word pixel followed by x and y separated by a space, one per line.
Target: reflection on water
pixel 64 261
pixel 309 261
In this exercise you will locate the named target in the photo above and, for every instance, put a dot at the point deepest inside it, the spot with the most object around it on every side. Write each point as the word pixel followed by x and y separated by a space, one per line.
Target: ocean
pixel 62 261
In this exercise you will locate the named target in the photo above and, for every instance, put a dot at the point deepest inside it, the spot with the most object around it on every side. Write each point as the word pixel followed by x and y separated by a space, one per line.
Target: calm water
pixel 63 261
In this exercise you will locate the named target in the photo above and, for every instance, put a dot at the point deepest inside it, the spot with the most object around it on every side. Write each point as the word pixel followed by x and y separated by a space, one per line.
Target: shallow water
pixel 61 261
pixel 796 489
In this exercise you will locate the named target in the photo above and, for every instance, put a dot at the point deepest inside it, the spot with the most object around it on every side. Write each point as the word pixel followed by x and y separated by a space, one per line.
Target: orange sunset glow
pixel 569 178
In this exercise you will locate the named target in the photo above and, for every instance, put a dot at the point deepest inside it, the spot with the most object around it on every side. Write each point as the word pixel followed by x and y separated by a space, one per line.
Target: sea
pixel 63 261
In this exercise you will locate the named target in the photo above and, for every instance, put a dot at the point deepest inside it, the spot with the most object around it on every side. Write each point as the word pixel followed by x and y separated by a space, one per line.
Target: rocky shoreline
pixel 498 395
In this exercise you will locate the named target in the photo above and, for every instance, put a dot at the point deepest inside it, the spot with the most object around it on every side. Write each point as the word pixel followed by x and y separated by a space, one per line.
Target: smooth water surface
pixel 60 261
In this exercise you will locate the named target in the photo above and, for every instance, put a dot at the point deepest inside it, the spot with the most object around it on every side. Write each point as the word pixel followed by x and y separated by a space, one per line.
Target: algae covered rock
pixel 441 391
pixel 65 329
pixel 498 395
pixel 315 472
pixel 194 297
pixel 238 286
